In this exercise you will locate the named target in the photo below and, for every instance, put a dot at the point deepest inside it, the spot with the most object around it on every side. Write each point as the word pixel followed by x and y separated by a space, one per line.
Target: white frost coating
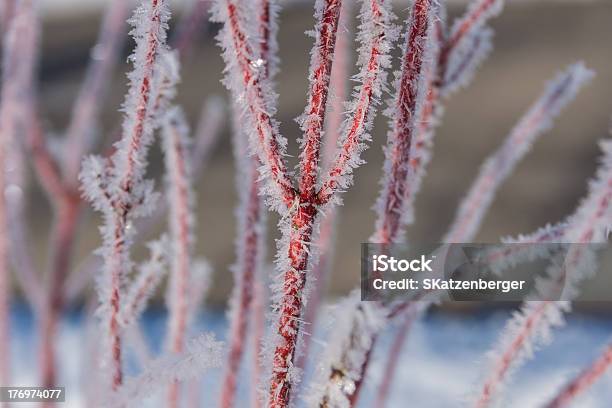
pixel 404 127
pixel 527 331
pixel 201 354
pixel 200 278
pixel 148 81
pixel 122 194
pixel 524 248
pixel 498 167
pixel 593 218
pixel 177 145
pixel 532 326
pixel 95 179
pixel 255 95
pixel 372 29
pixel 355 326
pixel 150 274
pixel 272 56
pixel 249 220
pixel 465 58
pixel 477 15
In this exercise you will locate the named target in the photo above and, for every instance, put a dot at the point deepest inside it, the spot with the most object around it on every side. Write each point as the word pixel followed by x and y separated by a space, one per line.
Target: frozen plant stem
pixel 181 220
pixel 118 189
pixel 335 114
pixel 411 86
pixel 501 164
pixel 300 209
pixel 583 381
pixel 533 325
pixel 411 94
pixel 19 44
pixel 249 246
pixel 250 241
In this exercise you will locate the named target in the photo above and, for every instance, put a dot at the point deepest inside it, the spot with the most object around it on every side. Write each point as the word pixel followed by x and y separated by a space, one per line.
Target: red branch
pixel 270 154
pixel 476 16
pixel 405 124
pixel 363 108
pixel 510 354
pixel 320 74
pixel 339 86
pixel 306 210
pixel 248 294
pixel 180 230
pixel 123 206
pixel 250 246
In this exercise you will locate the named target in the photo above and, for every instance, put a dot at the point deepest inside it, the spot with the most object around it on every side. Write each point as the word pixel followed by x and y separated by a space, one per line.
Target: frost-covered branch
pixel 524 248
pixel 125 195
pixel 247 82
pixel 338 371
pixel 339 83
pixel 376 36
pixel 327 16
pixel 200 355
pixel 411 90
pixel 583 381
pixel 250 254
pixel 209 129
pixel 181 201
pixel 18 63
pixel 150 274
pixel 467 28
pixel 532 326
pixel 498 167
pixel 251 230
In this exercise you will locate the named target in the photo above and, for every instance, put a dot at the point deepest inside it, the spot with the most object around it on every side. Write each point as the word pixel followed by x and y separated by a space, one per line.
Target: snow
pixel 438 367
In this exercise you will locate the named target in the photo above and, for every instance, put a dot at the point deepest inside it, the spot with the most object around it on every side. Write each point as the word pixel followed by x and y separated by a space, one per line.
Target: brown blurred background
pixel 533 41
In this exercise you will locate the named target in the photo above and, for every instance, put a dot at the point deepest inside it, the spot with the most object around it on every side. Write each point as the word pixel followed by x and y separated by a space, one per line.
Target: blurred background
pixel 533 41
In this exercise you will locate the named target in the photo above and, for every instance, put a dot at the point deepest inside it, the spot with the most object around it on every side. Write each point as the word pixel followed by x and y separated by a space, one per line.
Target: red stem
pixel 62 243
pixel 389 222
pixel 393 358
pixel 476 15
pixel 122 207
pixel 267 133
pixel 583 381
pixel 181 242
pixel 320 68
pixel 250 243
pixel 509 354
pixel 363 107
